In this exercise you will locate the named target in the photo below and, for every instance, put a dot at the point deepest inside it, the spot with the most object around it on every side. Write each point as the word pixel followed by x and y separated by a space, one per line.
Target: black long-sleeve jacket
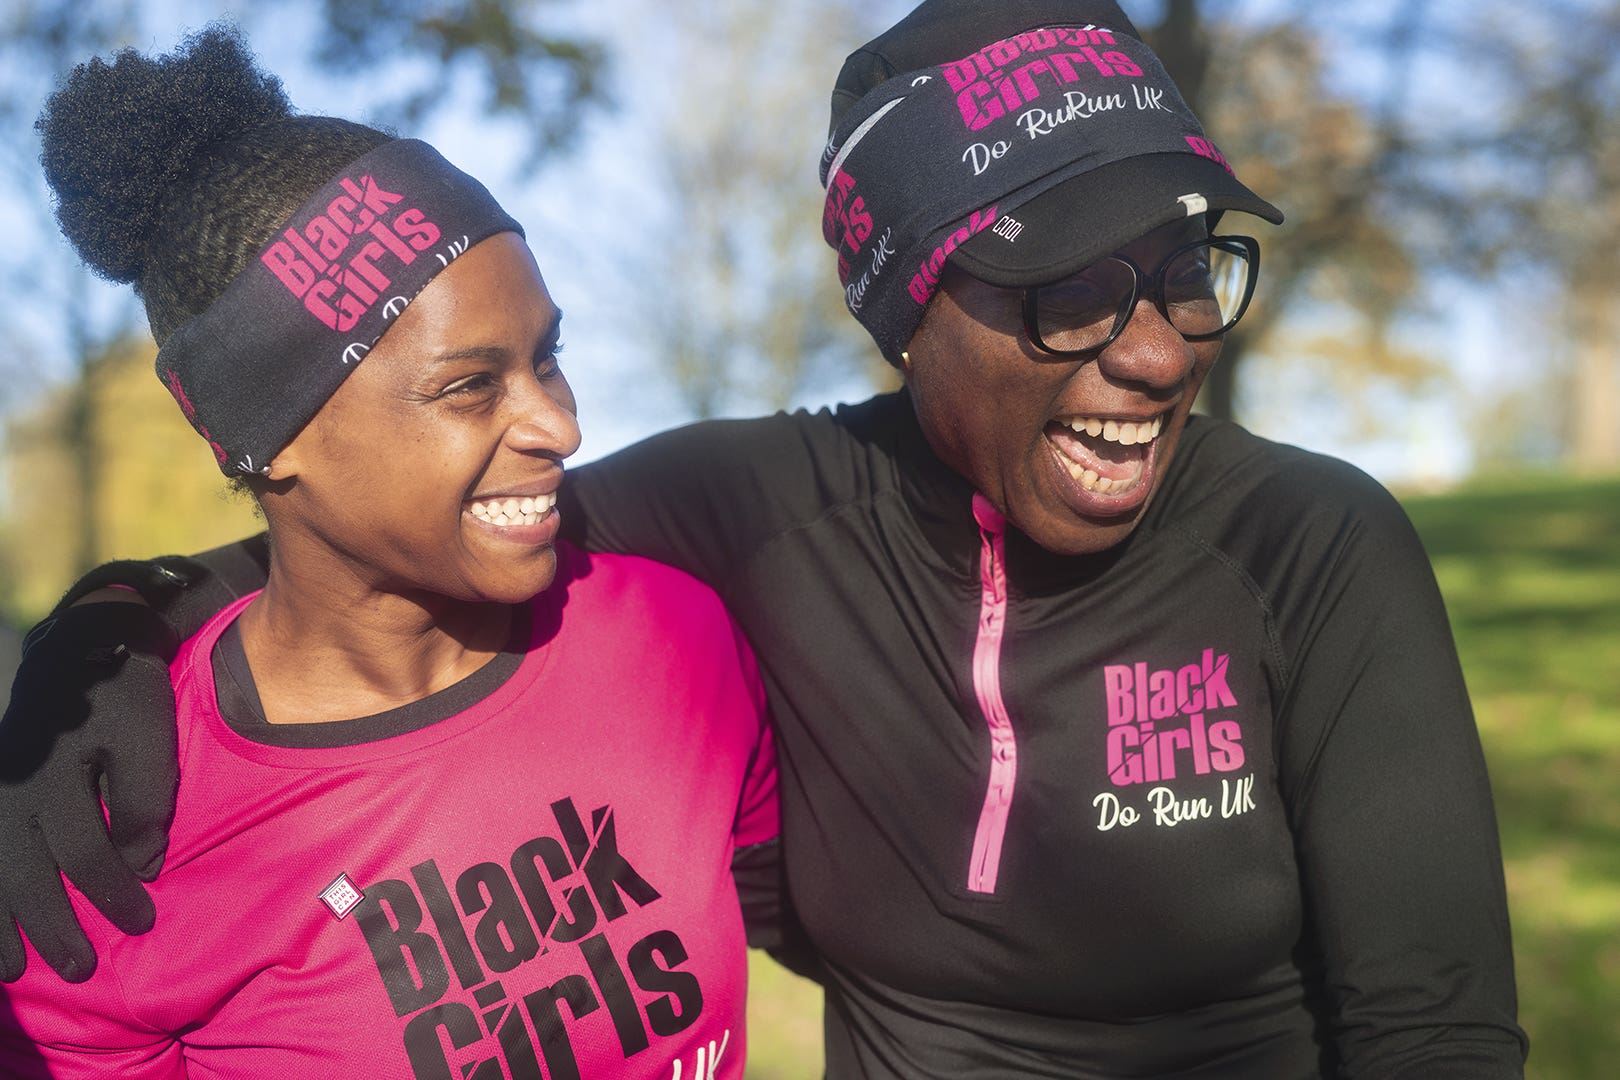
pixel 1209 804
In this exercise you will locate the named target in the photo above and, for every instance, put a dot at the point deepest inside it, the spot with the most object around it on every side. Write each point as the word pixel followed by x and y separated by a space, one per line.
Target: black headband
pixel 251 370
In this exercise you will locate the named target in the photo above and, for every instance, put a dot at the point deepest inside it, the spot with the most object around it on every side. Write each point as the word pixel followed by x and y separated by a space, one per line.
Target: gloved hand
pixel 91 720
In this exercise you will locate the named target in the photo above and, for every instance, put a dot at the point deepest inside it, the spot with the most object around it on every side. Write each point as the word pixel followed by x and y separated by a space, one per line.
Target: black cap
pixel 1019 139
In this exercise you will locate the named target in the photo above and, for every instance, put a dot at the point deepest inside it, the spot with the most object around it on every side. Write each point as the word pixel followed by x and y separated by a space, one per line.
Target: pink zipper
pixel 992 828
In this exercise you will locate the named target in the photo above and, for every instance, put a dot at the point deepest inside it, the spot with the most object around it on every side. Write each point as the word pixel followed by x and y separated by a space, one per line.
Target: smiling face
pixel 434 468
pixel 1069 449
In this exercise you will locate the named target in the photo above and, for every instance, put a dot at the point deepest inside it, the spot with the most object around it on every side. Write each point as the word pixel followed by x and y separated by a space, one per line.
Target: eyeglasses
pixel 1201 289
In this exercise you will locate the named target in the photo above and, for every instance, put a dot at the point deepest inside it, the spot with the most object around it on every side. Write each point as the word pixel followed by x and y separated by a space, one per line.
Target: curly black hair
pixel 171 172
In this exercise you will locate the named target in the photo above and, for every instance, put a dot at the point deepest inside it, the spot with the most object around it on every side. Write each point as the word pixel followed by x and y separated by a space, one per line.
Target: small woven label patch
pixel 341 896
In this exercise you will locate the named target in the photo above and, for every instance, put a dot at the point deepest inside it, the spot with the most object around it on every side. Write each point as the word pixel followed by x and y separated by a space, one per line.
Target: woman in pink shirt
pixel 427 826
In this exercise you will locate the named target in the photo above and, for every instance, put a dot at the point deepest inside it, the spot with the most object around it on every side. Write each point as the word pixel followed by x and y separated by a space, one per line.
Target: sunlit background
pixel 1442 308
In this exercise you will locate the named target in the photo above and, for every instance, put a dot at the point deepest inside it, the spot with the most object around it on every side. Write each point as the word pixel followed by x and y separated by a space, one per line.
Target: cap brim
pixel 1089 216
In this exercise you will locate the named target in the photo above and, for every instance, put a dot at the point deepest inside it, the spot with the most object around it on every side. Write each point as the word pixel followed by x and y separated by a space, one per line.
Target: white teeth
pixel 529 510
pixel 1084 476
pixel 1124 432
pixel 1102 485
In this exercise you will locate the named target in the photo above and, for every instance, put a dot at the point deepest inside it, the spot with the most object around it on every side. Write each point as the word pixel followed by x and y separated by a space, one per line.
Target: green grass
pixel 784 1023
pixel 1531 576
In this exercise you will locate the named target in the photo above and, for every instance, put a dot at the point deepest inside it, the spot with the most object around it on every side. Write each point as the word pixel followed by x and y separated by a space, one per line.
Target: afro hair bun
pixel 118 136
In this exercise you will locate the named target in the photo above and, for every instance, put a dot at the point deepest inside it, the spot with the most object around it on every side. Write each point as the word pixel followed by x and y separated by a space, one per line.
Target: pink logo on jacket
pixel 1139 699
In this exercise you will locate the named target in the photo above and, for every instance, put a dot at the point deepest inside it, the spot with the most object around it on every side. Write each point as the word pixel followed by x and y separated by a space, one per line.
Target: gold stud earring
pixel 905 359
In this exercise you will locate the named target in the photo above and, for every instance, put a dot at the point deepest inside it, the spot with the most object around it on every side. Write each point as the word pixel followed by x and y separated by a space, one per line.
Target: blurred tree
pixel 159 489
pixel 1478 144
pixel 1563 196
pixel 37 41
pixel 1332 163
pixel 739 299
pixel 527 72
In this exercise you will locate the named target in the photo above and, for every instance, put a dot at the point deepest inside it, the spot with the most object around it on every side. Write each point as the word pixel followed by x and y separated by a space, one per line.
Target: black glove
pixel 91 718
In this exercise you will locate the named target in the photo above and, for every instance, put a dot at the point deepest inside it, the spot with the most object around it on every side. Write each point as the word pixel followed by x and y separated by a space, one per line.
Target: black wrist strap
pixel 184 590
pixel 158 581
pixel 107 633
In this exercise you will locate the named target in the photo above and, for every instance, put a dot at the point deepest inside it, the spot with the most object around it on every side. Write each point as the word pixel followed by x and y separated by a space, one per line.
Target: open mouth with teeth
pixel 527 510
pixel 1108 457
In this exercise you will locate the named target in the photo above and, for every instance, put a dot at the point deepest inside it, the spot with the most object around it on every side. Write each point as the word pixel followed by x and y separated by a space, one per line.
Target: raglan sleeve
pixel 1394 823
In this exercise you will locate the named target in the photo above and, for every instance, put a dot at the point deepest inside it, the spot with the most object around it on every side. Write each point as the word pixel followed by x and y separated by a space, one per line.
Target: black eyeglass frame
pixel 1249 246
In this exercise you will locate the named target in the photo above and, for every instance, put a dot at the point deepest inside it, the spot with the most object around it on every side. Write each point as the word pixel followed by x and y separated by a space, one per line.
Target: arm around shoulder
pixel 90 728
pixel 700 497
